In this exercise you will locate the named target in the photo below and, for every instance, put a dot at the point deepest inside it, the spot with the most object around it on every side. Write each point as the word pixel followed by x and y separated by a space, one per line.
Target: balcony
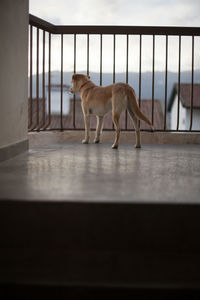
pixel 86 220
pixel 83 219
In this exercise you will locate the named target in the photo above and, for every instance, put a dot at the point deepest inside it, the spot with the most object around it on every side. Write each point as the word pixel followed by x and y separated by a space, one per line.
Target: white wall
pixel 182 115
pixel 13 71
pixel 173 115
pixel 195 119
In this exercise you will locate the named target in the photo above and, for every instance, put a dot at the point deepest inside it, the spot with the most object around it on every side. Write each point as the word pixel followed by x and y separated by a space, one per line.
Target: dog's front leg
pixel 87 129
pixel 98 129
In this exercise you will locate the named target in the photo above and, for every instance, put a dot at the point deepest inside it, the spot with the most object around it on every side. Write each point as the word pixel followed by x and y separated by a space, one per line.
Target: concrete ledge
pixel 13 150
pixel 92 244
pixel 76 136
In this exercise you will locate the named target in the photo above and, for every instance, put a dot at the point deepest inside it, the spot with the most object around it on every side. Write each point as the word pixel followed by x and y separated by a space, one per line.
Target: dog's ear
pixel 88 76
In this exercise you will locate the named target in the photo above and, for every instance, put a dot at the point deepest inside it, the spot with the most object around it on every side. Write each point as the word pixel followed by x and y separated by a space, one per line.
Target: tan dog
pixel 100 100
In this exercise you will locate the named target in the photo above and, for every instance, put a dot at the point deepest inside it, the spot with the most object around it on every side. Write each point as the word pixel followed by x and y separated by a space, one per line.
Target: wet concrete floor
pixel 76 172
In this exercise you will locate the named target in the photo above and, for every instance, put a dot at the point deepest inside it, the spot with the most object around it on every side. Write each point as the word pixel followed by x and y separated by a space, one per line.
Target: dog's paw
pixel 114 146
pixel 85 141
pixel 96 141
pixel 137 146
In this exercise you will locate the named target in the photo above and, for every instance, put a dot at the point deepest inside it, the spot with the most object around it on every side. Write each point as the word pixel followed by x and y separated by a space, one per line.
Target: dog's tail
pixel 134 107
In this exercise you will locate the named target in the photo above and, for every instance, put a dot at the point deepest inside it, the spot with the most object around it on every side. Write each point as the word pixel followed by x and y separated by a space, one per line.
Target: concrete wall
pixel 13 72
pixel 100 244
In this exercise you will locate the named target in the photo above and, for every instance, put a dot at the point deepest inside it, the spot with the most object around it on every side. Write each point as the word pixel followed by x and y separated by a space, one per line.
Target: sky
pixel 121 12
pixel 118 12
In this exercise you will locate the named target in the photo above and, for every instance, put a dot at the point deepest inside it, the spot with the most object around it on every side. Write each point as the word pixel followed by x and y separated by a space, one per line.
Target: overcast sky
pixel 119 12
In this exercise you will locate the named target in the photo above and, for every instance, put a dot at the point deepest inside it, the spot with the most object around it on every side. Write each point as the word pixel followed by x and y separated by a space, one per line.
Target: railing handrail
pixel 41 24
pixel 109 29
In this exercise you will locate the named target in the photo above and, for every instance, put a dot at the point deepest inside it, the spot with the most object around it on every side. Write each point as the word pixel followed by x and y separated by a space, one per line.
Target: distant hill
pixel 146 90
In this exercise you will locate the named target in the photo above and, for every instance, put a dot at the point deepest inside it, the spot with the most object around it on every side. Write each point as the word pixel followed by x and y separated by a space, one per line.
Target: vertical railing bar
pixel 74 98
pixel 49 85
pixel 43 83
pixel 61 86
pixel 88 53
pixel 140 71
pixel 192 86
pixel 114 45
pixel 37 77
pixel 101 47
pixel 166 66
pixel 31 76
pixel 43 80
pixel 114 48
pixel 179 80
pixel 127 53
pixel 153 83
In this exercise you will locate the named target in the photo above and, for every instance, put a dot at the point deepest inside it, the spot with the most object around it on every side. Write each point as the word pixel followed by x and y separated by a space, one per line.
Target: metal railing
pixel 40 116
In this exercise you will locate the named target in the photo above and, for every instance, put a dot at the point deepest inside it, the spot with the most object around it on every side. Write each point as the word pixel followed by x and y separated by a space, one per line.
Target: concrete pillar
pixel 13 77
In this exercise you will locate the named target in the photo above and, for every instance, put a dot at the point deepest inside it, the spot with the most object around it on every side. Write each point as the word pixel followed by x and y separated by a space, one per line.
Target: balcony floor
pixel 102 221
pixel 76 172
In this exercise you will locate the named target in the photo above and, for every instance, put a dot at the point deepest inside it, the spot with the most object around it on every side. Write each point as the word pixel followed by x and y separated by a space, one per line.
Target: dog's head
pixel 77 81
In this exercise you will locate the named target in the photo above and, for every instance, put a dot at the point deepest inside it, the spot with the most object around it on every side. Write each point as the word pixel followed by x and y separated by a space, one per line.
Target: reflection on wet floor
pixel 166 173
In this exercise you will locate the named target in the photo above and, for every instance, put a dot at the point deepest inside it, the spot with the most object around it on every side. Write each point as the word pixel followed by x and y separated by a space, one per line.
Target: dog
pixel 97 100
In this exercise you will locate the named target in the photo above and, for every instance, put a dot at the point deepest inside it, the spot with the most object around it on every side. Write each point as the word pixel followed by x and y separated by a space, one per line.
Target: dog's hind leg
pixel 98 129
pixel 119 104
pixel 115 118
pixel 136 126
